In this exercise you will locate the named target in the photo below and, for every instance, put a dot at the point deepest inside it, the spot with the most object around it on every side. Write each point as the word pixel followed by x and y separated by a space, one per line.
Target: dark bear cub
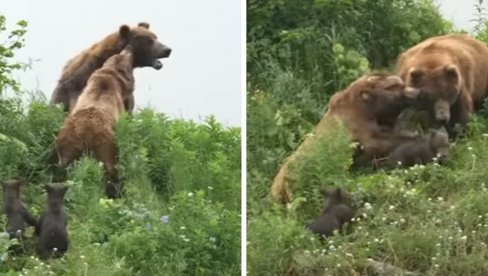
pixel 17 215
pixel 51 229
pixel 435 144
pixel 336 213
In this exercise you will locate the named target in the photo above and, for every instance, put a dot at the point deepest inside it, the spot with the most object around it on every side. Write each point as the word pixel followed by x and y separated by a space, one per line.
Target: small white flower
pixel 470 148
pixel 190 194
pixel 391 207
pixel 464 238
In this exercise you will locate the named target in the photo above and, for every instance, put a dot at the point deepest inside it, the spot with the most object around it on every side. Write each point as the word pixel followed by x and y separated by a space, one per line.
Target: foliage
pixel 427 219
pixel 181 212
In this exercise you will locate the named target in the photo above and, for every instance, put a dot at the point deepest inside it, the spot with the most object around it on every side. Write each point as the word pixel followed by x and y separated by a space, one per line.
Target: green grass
pixel 181 212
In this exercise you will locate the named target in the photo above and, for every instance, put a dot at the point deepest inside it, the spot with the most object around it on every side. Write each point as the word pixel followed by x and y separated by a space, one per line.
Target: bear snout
pixel 163 51
pixel 442 111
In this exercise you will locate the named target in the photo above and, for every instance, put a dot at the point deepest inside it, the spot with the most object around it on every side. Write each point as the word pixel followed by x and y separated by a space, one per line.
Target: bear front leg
pixel 460 114
pixel 129 103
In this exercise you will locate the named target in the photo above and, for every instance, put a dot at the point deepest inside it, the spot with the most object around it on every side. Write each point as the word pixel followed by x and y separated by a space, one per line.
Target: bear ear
pixel 393 80
pixel 143 25
pixel 373 78
pixel 48 188
pixel 451 72
pixel 63 189
pixel 364 95
pixel 411 92
pixel 338 193
pixel 124 31
pixel 19 182
pixel 326 193
pixel 416 74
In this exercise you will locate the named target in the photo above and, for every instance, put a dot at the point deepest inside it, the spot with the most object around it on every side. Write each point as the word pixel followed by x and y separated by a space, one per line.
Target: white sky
pixel 460 12
pixel 201 77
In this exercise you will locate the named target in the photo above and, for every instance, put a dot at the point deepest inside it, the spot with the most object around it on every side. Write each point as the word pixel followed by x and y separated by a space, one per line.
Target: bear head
pixel 439 143
pixel 383 95
pixel 147 49
pixel 438 88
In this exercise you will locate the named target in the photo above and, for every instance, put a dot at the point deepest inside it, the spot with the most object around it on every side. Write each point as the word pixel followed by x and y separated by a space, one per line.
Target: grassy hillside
pixel 181 213
pixel 432 219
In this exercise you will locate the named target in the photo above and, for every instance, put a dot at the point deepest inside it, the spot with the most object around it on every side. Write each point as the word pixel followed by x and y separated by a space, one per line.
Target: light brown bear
pixel 450 73
pixel 368 108
pixel 147 51
pixel 90 125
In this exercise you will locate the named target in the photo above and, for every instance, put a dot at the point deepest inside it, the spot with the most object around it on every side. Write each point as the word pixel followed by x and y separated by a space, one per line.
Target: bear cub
pixel 336 213
pixel 51 229
pixel 435 144
pixel 18 216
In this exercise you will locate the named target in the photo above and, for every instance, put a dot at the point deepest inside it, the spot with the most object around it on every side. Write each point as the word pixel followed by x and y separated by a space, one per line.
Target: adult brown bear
pixel 450 72
pixel 368 108
pixel 90 125
pixel 147 51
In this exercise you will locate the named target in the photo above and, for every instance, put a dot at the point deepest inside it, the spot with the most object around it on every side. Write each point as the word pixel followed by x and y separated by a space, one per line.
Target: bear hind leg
pixel 107 154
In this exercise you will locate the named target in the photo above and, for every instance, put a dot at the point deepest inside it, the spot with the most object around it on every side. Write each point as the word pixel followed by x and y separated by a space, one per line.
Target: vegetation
pixel 428 219
pixel 181 213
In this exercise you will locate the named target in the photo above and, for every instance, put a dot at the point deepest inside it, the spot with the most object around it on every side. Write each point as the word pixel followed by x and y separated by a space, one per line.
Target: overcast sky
pixel 460 12
pixel 201 77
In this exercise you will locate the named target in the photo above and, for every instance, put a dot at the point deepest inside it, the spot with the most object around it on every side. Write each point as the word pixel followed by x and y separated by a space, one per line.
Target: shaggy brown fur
pixel 450 72
pixel 435 144
pixel 90 126
pixel 369 108
pixel 336 213
pixel 51 229
pixel 147 49
pixel 18 217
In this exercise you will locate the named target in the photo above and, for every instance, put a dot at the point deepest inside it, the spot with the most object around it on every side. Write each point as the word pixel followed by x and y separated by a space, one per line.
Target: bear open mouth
pixel 157 64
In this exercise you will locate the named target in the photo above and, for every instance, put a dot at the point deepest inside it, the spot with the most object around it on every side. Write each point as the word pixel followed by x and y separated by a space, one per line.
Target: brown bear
pixel 368 108
pixel 51 229
pixel 335 215
pixel 90 125
pixel 434 144
pixel 450 75
pixel 147 51
pixel 18 217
